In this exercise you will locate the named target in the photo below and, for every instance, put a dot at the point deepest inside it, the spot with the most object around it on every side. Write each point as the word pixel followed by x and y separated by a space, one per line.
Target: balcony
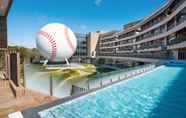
pixel 181 19
pixel 162 17
pixel 177 40
pixel 157 45
pixel 177 4
pixel 132 33
pixel 171 25
pixel 127 48
pixel 155 55
pixel 105 40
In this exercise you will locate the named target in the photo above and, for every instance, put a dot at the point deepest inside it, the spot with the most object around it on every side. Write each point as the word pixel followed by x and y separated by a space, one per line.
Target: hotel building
pixel 160 36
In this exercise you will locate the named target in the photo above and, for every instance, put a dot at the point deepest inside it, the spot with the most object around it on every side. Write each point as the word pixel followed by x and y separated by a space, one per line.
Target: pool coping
pixel 33 112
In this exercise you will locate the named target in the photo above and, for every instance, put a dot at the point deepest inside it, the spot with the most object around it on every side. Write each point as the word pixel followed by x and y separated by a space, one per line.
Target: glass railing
pixel 115 76
pixel 148 55
pixel 159 55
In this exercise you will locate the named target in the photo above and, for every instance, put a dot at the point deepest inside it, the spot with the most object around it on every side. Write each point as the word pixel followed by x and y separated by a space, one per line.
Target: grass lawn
pixel 75 74
pixel 87 70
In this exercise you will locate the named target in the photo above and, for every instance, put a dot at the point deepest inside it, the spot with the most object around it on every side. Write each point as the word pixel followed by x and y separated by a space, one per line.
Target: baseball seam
pixel 68 39
pixel 50 38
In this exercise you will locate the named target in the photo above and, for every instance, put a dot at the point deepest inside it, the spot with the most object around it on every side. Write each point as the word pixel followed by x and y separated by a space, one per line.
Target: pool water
pixel 157 94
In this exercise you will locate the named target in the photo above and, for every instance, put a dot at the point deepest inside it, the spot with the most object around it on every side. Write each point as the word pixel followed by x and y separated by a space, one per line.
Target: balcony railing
pixel 177 40
pixel 150 46
pixel 149 55
pixel 174 8
pixel 157 55
pixel 181 19
pixel 117 76
pixel 180 2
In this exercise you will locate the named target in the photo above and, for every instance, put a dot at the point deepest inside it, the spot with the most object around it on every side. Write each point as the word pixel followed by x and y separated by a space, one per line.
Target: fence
pixel 4 83
pixel 105 79
pixel 76 90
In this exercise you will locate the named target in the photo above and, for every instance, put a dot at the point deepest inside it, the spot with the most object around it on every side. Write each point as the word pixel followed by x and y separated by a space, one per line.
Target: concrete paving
pixel 10 104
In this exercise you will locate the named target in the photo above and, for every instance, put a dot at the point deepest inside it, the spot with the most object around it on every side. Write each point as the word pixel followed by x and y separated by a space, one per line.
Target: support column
pixel 7 64
pixel 14 67
pixel 175 54
pixel 51 86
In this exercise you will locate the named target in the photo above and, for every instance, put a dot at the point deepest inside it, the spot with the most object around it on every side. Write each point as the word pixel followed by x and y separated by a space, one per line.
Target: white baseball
pixel 56 42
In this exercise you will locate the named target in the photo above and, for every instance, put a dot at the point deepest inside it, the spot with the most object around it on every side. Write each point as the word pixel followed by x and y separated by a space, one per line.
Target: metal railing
pixel 177 40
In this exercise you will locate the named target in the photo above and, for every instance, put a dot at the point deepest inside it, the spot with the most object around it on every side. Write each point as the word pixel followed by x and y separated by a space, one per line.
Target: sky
pixel 26 17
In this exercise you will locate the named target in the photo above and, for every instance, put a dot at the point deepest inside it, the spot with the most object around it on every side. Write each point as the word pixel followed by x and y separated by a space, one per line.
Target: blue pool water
pixel 158 94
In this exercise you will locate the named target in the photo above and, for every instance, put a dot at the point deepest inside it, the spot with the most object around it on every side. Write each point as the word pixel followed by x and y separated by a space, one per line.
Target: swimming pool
pixel 158 94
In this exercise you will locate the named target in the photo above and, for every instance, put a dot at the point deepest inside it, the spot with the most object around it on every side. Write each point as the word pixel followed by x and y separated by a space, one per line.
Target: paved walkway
pixel 5 96
pixel 9 104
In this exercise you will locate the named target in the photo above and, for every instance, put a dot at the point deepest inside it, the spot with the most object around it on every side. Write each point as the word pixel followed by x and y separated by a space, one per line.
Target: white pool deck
pixel 16 115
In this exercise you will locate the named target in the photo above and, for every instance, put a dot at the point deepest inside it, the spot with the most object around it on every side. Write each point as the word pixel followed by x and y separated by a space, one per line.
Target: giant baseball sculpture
pixel 56 42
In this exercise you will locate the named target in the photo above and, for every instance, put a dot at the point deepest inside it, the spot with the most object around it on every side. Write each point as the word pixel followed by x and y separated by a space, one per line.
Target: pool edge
pixel 34 111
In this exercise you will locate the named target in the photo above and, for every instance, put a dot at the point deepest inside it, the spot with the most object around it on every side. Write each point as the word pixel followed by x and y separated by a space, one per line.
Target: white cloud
pixel 98 2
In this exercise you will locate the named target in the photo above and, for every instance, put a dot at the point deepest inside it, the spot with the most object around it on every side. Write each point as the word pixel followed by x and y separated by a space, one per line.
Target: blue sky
pixel 26 17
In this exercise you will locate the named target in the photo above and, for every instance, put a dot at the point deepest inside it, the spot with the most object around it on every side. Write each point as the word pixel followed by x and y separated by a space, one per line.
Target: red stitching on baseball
pixel 50 38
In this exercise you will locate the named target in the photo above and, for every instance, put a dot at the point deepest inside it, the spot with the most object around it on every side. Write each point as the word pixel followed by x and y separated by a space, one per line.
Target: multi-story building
pixel 81 51
pixel 81 45
pixel 86 46
pixel 92 41
pixel 160 36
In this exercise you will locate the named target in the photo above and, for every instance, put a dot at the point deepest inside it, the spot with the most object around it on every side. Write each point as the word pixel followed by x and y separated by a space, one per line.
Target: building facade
pixel 86 47
pixel 92 40
pixel 81 45
pixel 81 51
pixel 160 36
